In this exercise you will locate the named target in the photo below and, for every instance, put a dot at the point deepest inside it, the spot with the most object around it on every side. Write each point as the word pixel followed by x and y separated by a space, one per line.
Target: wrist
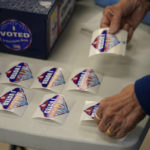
pixel 135 99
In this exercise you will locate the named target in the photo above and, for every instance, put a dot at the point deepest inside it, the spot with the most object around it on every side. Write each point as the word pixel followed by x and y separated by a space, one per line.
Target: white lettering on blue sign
pixel 8 99
pixel 15 72
pixel 81 78
pixel 49 107
pixel 101 42
pixel 47 77
pixel 14 34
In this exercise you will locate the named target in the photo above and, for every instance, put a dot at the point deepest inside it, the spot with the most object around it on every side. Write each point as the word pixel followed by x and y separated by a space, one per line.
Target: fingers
pixel 109 133
pixel 106 20
pixel 115 128
pixel 112 19
pixel 105 121
pixel 104 125
pixel 119 114
pixel 129 29
pixel 125 128
pixel 121 134
pixel 117 118
pixel 130 123
pixel 115 23
pixel 130 33
pixel 118 121
pixel 98 114
pixel 97 119
pixel 108 102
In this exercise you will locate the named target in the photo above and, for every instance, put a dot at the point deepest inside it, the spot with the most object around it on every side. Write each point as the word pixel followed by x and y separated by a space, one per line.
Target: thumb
pixel 115 23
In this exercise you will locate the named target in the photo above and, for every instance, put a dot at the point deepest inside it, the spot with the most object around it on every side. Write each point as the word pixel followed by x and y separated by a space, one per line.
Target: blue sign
pixel 15 35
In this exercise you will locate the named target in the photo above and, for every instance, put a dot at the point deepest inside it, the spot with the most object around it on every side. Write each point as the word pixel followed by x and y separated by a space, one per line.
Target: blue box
pixel 31 27
pixel 105 3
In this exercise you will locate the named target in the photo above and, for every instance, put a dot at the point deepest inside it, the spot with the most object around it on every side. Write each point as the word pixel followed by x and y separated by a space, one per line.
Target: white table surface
pixel 71 51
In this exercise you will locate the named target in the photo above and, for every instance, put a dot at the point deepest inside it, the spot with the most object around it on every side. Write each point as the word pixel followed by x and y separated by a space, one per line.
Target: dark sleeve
pixel 142 90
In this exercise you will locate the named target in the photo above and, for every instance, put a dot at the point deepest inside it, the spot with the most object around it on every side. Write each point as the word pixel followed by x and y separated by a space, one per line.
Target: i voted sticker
pixel 15 35
pixel 18 73
pixel 51 78
pixel 92 110
pixel 86 79
pixel 13 99
pixel 54 107
pixel 105 41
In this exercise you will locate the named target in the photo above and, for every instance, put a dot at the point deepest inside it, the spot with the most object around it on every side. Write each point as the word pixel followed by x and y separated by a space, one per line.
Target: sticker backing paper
pixel 54 107
pixel 18 73
pixel 85 79
pixel 14 100
pixel 89 110
pixel 104 42
pixel 51 78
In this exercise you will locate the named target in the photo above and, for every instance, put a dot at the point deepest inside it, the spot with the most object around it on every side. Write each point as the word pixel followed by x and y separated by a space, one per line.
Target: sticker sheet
pixel 51 78
pixel 89 110
pixel 85 79
pixel 18 73
pixel 103 42
pixel 15 100
pixel 54 107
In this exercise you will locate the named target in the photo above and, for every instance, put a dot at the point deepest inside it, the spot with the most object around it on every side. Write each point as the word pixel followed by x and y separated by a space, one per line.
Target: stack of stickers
pixel 18 73
pixel 54 107
pixel 86 80
pixel 57 107
pixel 14 100
pixel 103 42
pixel 89 109
pixel 51 78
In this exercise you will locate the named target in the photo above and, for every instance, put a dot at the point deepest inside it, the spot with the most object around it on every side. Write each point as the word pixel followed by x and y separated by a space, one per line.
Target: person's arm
pixel 119 114
pixel 142 91
pixel 127 15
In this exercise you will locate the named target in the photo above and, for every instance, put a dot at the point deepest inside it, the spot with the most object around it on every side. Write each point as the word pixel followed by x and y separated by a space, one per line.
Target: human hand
pixel 127 15
pixel 119 114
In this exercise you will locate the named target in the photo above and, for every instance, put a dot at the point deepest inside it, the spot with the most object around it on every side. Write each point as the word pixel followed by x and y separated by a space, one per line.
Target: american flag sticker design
pixel 14 99
pixel 105 41
pixel 51 78
pixel 86 79
pixel 92 110
pixel 18 73
pixel 54 106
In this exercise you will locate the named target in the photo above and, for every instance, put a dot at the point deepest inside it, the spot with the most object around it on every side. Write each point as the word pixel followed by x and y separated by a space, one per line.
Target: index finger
pixel 105 22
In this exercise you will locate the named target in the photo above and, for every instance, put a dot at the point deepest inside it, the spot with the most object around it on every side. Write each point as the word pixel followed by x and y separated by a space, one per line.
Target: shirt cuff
pixel 142 91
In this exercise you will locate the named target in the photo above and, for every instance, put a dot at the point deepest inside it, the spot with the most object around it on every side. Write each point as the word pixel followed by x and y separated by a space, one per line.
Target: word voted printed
pixel 14 34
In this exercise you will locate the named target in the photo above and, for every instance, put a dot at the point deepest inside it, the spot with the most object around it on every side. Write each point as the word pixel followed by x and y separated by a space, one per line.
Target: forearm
pixel 142 90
